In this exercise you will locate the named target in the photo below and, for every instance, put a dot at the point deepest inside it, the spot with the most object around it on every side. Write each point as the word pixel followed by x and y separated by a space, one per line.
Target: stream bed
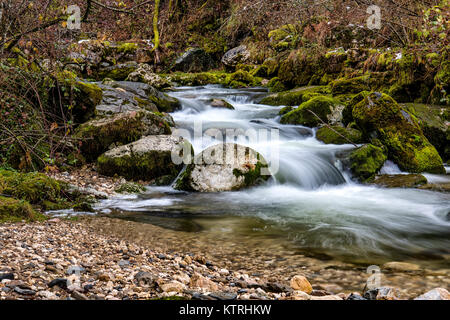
pixel 311 206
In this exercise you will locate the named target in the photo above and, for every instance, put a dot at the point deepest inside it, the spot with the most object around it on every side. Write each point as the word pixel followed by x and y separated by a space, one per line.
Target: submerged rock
pixel 400 180
pixel 379 116
pixel 98 135
pixel 145 159
pixel 224 167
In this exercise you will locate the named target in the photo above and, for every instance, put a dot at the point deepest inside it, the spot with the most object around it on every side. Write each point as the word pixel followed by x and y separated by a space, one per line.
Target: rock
pixel 75 270
pixel 353 85
pixel 382 293
pixel 367 161
pixel 324 109
pixel 173 286
pixel 301 283
pixel 300 295
pixel 87 97
pixel 194 60
pixel 47 295
pixel 223 296
pixel 332 288
pixel 294 97
pixel 434 126
pixel 199 281
pixel 330 297
pixel 236 56
pixel 224 167
pixel 400 180
pixel 123 263
pixel 121 96
pixel 9 276
pixel 401 266
pixel 144 277
pixel 339 135
pixel 379 116
pixel 103 277
pixel 98 135
pixel 355 296
pixel 144 73
pixel 146 159
pixel 26 292
pixel 62 283
pixel 284 38
pixel 78 296
pixel 118 72
pixel 276 287
pixel 435 294
pixel 222 104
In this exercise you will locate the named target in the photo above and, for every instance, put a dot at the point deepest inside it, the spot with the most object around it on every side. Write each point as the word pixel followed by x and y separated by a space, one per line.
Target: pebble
pixel 302 284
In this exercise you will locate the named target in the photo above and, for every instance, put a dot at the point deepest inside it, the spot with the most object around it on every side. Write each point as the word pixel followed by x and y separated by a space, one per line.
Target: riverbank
pixel 119 259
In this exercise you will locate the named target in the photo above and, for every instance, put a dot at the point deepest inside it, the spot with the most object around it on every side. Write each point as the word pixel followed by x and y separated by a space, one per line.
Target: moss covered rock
pixel 379 116
pixel 367 161
pixel 144 73
pixel 312 112
pixel 118 72
pixel 352 85
pixel 97 136
pixel 339 135
pixel 12 210
pixel 224 167
pixel 294 97
pixel 434 126
pixel 194 60
pixel 146 159
pixel 285 37
pixel 87 96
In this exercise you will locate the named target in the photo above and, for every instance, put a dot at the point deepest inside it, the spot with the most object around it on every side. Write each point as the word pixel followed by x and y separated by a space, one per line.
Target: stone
pixel 435 294
pixel 118 72
pixel 62 283
pixel 300 295
pixel 148 158
pixel 221 104
pixel 301 283
pixel 79 296
pixel 236 56
pixel 330 297
pixel 382 293
pixel 400 180
pixel 26 292
pixel 355 296
pixel 144 73
pixel 144 277
pixel 173 286
pixel 223 295
pixel 122 128
pixel 224 167
pixel 194 60
pixel 9 276
pixel 199 281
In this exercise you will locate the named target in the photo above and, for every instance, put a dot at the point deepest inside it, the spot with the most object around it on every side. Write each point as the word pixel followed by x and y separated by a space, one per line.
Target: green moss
pixel 378 115
pixel 275 85
pixel 127 48
pixel 293 97
pixel 353 85
pixel 241 79
pixel 33 187
pixel 343 135
pixel 320 105
pixel 87 97
pixel 252 176
pixel 401 180
pixel 13 210
pixel 97 136
pixel 130 187
pixel 367 161
pixel 285 37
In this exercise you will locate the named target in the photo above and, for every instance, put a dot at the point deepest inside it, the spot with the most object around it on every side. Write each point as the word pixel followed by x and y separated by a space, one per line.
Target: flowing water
pixel 311 205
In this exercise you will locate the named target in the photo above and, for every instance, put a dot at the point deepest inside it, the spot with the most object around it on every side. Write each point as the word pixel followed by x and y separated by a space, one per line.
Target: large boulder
pixel 97 136
pixel 194 60
pixel 435 126
pixel 87 96
pixel 379 116
pixel 294 97
pixel 148 158
pixel 312 112
pixel 236 56
pixel 121 96
pixel 224 167
pixel 118 72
